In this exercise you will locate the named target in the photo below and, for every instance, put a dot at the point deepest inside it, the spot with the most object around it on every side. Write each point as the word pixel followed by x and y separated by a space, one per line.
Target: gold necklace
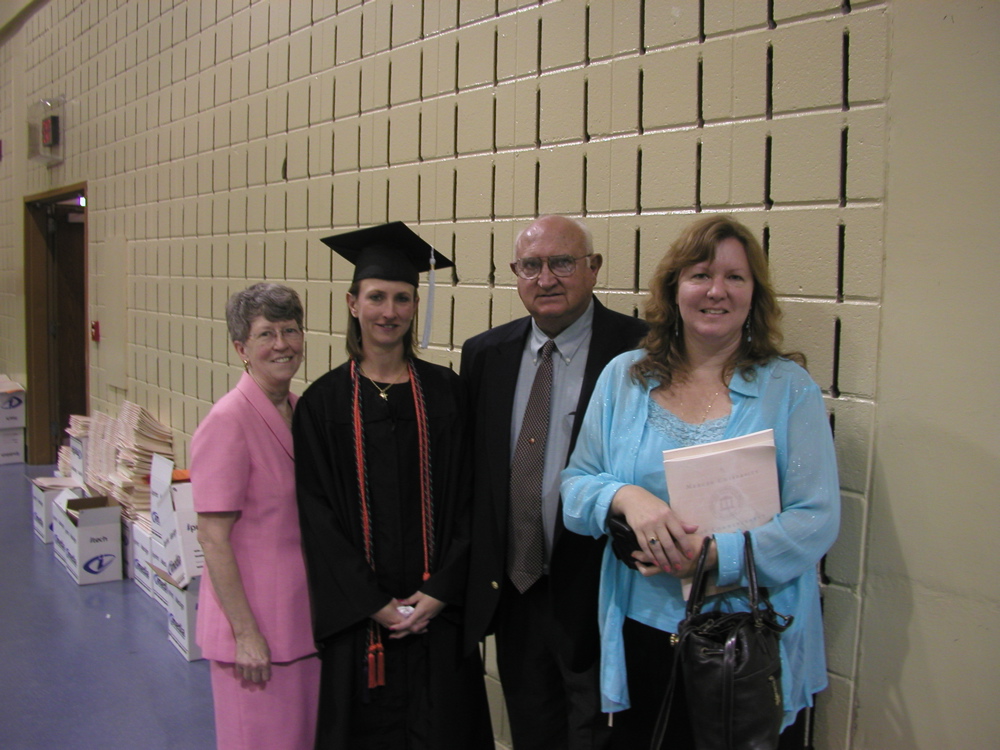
pixel 382 392
pixel 707 409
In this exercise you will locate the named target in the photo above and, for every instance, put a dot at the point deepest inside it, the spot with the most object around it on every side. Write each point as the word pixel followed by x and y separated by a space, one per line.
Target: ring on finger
pixel 653 541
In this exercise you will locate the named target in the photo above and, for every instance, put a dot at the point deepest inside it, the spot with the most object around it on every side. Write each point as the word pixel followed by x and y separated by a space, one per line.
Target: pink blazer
pixel 242 460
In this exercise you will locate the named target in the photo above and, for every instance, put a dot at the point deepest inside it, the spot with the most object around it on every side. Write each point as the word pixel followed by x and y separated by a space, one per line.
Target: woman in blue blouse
pixel 710 369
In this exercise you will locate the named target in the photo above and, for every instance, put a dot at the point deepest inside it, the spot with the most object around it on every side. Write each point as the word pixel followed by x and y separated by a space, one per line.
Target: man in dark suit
pixel 545 620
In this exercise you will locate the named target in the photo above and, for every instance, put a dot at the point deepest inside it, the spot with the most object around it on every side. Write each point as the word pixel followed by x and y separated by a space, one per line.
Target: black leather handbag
pixel 731 666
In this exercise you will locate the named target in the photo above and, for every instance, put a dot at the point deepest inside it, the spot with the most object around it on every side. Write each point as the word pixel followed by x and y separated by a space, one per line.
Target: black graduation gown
pixel 434 696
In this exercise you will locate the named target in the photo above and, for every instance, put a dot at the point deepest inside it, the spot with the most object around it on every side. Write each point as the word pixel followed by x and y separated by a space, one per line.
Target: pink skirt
pixel 279 714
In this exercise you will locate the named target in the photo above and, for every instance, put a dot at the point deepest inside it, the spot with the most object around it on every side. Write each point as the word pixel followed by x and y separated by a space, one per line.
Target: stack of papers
pixel 79 425
pixel 101 453
pixel 138 436
pixel 64 461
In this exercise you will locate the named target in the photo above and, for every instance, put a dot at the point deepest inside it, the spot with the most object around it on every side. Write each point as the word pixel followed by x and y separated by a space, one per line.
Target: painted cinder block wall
pixel 220 139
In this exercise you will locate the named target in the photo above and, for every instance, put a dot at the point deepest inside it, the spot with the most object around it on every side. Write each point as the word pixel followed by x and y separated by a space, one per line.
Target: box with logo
pixel 126 527
pixel 87 537
pixel 78 457
pixel 182 614
pixel 142 573
pixel 11 404
pixel 175 523
pixel 43 492
pixel 12 446
pixel 158 573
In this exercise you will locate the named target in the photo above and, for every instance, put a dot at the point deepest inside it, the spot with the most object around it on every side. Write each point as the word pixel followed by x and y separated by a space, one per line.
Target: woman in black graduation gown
pixel 383 499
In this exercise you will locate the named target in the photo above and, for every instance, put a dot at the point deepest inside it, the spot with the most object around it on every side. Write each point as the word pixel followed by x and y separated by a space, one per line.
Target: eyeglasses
pixel 560 265
pixel 270 335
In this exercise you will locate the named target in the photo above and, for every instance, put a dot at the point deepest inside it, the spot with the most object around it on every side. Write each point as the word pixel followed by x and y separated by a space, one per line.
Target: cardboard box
pixel 43 492
pixel 127 525
pixel 87 537
pixel 11 404
pixel 12 446
pixel 158 569
pixel 182 614
pixel 78 457
pixel 175 524
pixel 142 573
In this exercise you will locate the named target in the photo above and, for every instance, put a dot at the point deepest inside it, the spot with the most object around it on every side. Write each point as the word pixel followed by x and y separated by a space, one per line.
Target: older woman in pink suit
pixel 254 619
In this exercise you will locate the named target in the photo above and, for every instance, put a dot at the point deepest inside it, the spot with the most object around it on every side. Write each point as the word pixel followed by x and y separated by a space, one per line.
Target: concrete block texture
pixel 476 61
pixel 733 165
pixel 863 251
pixel 404 78
pixel 560 181
pixel 671 23
pixel 612 175
pixel 475 119
pixel 724 16
pixel 809 327
pixel 843 563
pixel 474 256
pixel 808 65
pixel 734 75
pixel 614 29
pixel 516 114
pixel 564 34
pixel 612 95
pixel 841 627
pixel 670 87
pixel 669 170
pixel 805 158
pixel 834 714
pixel 803 251
pixel 517 40
pixel 858 348
pixel 866 150
pixel 562 116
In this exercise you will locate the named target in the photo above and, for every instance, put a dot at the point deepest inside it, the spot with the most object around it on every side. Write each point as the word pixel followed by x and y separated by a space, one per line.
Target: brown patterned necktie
pixel 525 535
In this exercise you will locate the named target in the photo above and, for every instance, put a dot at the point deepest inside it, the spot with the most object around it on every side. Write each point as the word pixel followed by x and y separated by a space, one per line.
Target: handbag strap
pixel 660 728
pixel 696 597
pixel 754 592
pixel 760 601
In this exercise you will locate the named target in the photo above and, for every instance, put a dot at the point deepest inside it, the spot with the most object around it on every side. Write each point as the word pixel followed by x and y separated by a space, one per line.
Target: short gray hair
pixel 274 301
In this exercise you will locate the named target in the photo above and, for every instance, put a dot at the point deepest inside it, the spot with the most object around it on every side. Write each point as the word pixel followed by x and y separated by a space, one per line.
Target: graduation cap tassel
pixel 426 340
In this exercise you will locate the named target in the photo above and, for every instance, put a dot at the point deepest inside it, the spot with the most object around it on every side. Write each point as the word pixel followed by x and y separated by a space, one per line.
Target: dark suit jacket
pixel 490 364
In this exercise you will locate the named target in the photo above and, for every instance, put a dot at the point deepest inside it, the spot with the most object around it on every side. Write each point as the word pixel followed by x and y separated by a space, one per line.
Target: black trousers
pixel 649 659
pixel 549 706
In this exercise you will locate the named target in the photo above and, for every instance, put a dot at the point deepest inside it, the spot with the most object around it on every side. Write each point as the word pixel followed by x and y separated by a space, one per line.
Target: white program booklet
pixel 725 486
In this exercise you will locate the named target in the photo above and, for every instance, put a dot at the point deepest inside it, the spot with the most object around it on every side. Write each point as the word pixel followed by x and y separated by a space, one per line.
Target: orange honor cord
pixel 426 494
pixel 375 659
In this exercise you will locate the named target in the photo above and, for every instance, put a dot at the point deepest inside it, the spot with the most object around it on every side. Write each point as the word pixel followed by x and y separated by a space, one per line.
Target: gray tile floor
pixel 86 667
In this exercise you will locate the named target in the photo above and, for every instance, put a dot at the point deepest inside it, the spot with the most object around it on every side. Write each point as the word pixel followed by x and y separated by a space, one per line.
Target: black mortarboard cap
pixel 392 252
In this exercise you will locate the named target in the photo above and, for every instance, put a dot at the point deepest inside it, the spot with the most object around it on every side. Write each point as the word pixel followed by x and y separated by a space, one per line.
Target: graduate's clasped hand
pixel 409 616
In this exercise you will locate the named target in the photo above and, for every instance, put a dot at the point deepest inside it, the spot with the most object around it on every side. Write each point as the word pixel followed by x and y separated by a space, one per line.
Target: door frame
pixel 41 402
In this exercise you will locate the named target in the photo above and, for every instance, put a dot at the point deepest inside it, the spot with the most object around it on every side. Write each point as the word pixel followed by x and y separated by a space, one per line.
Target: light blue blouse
pixel 617 446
